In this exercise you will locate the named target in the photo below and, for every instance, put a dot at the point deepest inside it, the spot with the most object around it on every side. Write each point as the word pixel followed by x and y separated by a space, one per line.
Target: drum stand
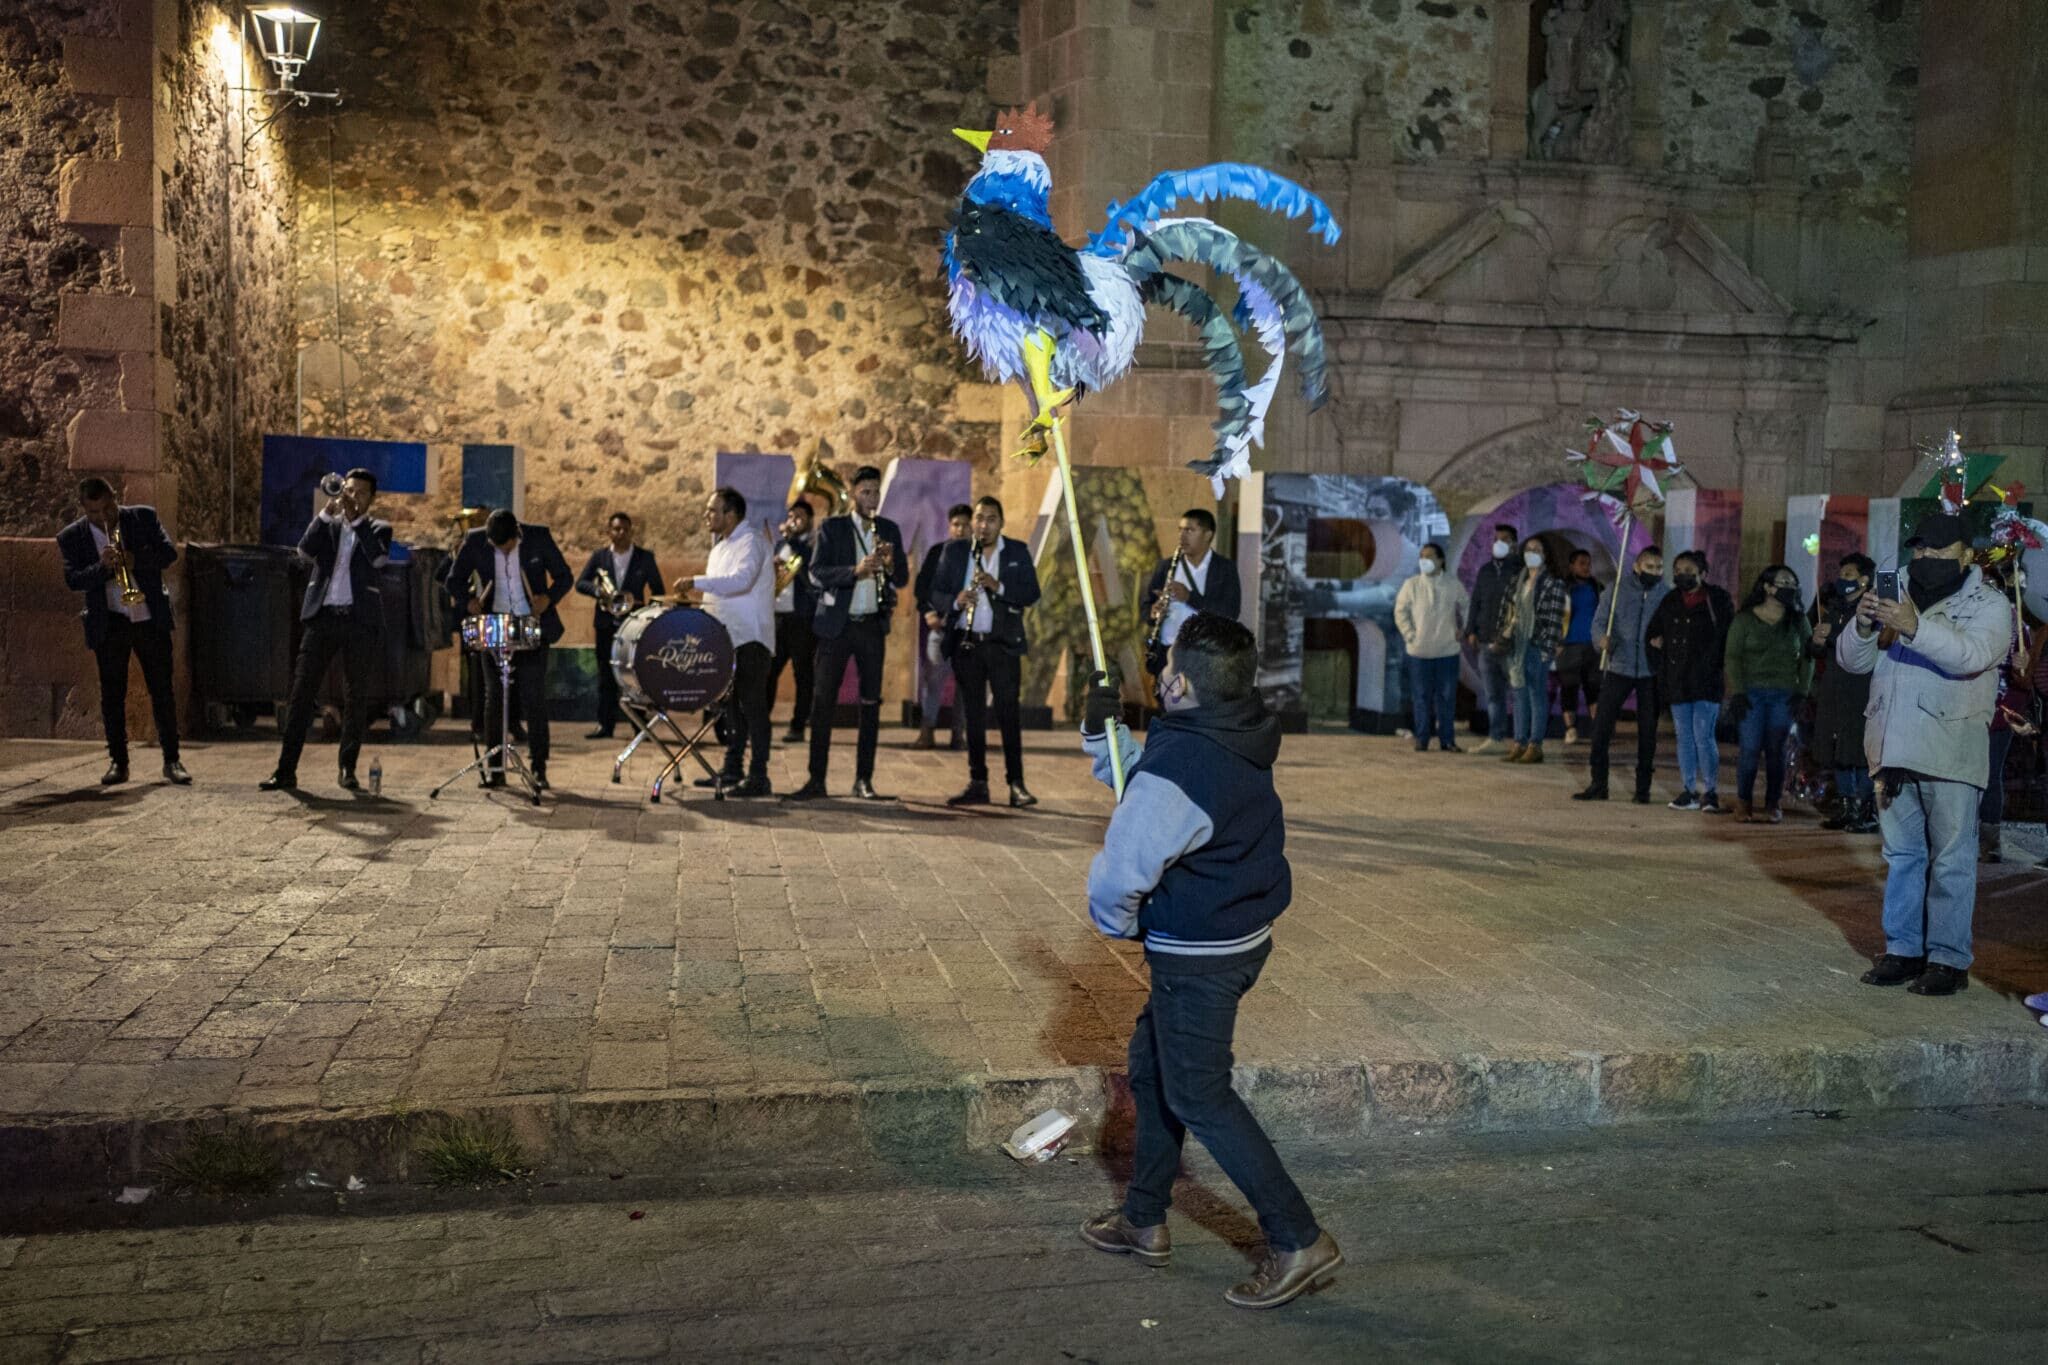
pixel 650 722
pixel 505 754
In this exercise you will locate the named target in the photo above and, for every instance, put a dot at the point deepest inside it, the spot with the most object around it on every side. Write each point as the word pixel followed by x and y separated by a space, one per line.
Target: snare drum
pixel 672 658
pixel 500 631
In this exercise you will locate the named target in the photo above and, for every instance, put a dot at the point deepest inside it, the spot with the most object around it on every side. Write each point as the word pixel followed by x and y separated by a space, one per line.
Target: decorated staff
pixel 1060 320
pixel 1624 465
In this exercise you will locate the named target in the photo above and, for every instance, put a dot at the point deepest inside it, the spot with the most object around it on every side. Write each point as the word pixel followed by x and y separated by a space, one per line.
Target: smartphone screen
pixel 1888 585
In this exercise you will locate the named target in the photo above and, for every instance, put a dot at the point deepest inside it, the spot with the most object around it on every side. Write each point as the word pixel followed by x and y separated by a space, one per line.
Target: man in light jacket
pixel 738 587
pixel 1933 656
pixel 1429 611
pixel 1624 645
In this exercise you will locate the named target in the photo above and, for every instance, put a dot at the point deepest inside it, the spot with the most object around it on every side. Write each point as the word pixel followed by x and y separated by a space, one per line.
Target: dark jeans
pixel 354 636
pixel 1578 682
pixel 151 645
pixel 607 681
pixel 1614 689
pixel 1180 1082
pixel 1991 805
pixel 1497 692
pixel 990 668
pixel 1433 700
pixel 749 710
pixel 1762 733
pixel 796 646
pixel 529 700
pixel 865 641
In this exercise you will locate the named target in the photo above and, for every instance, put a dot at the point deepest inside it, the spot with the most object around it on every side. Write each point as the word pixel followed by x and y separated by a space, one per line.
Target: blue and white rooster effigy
pixel 1063 321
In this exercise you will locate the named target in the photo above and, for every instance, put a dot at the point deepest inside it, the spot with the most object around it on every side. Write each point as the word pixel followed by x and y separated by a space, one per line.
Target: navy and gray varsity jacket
pixel 1194 861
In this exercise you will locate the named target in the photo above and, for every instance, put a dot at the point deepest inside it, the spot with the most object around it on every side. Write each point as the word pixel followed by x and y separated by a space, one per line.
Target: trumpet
pixel 124 575
pixel 609 597
pixel 1164 603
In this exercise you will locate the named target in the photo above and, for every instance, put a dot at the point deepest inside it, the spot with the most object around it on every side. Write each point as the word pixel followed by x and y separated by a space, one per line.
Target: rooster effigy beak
pixel 974 138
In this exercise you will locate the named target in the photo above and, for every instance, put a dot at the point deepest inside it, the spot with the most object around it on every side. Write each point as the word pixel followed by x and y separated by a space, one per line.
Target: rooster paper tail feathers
pixel 1220 352
pixel 1271 304
pixel 1205 184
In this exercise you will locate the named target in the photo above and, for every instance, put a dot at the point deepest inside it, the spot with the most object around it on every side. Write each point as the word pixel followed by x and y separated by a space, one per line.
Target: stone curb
pixel 909 1122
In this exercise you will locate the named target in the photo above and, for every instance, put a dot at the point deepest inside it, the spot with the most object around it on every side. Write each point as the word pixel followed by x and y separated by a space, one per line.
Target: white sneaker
pixel 1571 735
pixel 1491 746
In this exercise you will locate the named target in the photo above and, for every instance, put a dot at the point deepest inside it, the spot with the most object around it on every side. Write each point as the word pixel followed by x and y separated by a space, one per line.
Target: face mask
pixel 1428 568
pixel 1533 559
pixel 1685 582
pixel 1500 549
pixel 1788 597
pixel 1849 587
pixel 1648 579
pixel 1933 579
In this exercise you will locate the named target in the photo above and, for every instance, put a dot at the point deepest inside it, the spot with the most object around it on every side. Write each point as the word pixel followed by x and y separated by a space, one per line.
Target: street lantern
pixel 285 36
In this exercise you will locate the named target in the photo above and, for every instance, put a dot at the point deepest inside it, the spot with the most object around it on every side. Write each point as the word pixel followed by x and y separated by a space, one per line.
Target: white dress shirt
pixel 140 611
pixel 738 584
pixel 864 601
pixel 1196 576
pixel 511 580
pixel 340 587
pixel 621 561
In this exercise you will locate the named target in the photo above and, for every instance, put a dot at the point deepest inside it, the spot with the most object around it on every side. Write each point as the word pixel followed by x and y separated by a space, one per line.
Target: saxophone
pixel 1164 603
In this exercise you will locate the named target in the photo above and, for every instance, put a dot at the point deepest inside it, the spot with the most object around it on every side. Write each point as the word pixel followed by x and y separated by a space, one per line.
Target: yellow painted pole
pixel 1109 729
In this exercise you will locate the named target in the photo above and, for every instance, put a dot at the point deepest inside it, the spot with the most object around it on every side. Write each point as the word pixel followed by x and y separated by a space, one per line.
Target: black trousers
pixel 797 646
pixel 150 643
pixel 1578 681
pixel 977 673
pixel 355 637
pixel 529 700
pixel 1614 688
pixel 606 627
pixel 866 642
pixel 747 721
pixel 1180 1083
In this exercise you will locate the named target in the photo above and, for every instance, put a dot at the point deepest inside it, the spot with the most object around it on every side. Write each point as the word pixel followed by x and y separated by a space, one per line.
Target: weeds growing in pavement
pixel 233 1162
pixel 459 1151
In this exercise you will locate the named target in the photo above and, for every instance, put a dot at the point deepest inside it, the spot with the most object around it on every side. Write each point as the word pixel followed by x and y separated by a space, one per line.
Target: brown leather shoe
pixel 1514 754
pixel 1532 754
pixel 1284 1276
pixel 1113 1233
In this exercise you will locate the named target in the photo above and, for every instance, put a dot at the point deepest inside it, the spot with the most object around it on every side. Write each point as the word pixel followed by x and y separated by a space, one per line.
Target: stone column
pixel 1507 137
pixel 124 439
pixel 1646 80
pixel 1767 445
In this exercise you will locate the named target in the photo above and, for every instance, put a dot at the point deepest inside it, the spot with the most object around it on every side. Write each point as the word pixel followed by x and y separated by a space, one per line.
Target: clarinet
pixel 881 570
pixel 1165 603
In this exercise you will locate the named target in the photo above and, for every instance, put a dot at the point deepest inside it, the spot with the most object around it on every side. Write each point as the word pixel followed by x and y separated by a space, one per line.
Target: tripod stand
pixel 504 754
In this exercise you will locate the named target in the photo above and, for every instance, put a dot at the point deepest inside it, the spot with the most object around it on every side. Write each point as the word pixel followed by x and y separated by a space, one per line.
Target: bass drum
pixel 672 658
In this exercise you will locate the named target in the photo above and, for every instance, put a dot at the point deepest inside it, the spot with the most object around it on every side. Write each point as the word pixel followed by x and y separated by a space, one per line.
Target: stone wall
pixel 234 299
pixel 45 122
pixel 1827 86
pixel 1295 74
pixel 625 241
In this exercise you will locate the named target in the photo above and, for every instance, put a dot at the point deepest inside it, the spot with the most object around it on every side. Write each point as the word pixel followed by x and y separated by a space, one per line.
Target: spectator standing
pixel 1578 658
pixel 1839 699
pixel 1429 612
pixel 1768 667
pixel 1690 631
pixel 1531 625
pixel 1491 587
pixel 1625 644
pixel 1932 656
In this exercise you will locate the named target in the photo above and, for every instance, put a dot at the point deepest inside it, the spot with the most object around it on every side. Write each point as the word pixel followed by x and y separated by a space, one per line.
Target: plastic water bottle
pixel 376 776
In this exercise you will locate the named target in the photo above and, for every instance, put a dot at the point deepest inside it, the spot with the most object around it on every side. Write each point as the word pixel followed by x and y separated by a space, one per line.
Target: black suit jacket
pixel 1223 597
pixel 148 547
pixel 1019 589
pixel 832 572
pixel 643 579
pixel 540 564
pixel 322 542
pixel 922 589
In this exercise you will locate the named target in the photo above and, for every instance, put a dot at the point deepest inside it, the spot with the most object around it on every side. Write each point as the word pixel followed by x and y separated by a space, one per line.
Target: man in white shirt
pixel 1196 579
pixel 982 588
pixel 738 587
pixel 514 568
pixel 343 611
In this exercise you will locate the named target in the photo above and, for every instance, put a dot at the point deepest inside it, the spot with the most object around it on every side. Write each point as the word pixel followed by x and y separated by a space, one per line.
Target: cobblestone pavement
pixel 167 949
pixel 1897 1237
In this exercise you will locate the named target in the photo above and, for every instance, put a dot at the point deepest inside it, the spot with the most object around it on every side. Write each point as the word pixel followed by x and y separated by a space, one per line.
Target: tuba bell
pixel 815 476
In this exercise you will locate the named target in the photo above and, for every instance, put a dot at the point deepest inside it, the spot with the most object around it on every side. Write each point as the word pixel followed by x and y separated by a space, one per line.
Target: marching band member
pixel 116 556
pixel 1193 580
pixel 344 614
pixel 858 569
pixel 516 570
pixel 982 587
pixel 795 604
pixel 931 685
pixel 738 584
pixel 633 577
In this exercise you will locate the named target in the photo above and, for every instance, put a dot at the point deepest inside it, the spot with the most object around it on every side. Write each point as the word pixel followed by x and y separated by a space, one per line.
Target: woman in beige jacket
pixel 1429 611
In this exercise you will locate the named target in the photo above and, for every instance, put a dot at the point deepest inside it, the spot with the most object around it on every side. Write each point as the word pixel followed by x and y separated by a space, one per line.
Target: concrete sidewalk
pixel 1466 947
